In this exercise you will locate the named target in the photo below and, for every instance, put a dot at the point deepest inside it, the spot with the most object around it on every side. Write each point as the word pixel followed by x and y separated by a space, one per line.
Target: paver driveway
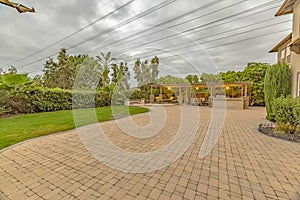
pixel 243 165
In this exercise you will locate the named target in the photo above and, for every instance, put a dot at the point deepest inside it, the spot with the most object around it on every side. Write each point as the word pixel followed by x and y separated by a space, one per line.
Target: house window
pixel 288 55
pixel 282 54
pixel 288 51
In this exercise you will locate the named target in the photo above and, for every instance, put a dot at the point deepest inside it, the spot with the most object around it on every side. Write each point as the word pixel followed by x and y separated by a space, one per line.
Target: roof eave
pixel 286 8
pixel 286 39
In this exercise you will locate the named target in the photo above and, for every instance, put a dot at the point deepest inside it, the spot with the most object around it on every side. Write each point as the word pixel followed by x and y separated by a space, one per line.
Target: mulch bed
pixel 7 115
pixel 269 129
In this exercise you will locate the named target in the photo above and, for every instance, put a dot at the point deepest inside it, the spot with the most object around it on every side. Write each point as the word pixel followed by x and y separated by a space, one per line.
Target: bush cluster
pixel 287 113
pixel 53 99
pixel 277 83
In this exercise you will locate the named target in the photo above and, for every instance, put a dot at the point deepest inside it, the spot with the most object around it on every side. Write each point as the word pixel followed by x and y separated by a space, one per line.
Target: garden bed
pixel 269 129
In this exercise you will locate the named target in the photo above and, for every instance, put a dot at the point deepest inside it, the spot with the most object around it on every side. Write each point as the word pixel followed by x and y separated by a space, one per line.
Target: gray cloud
pixel 24 34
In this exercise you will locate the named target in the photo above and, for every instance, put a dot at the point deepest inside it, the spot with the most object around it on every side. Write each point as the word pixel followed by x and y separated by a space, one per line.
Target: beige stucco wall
pixel 295 58
pixel 229 103
pixel 283 46
pixel 296 20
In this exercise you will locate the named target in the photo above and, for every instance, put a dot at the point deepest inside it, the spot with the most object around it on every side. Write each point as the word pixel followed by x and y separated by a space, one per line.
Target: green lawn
pixel 22 127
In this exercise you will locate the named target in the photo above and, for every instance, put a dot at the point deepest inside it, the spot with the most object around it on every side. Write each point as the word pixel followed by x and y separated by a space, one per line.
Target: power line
pixel 193 43
pixel 83 17
pixel 140 15
pixel 255 13
pixel 220 45
pixel 216 46
pixel 206 29
pixel 111 29
pixel 121 41
pixel 117 43
pixel 188 31
pixel 74 33
pixel 151 10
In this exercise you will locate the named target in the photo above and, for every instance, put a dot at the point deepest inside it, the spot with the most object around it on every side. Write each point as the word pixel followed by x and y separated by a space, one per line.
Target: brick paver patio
pixel 243 165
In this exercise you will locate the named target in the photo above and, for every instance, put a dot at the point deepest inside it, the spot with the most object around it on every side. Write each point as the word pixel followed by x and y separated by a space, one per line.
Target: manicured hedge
pixel 49 99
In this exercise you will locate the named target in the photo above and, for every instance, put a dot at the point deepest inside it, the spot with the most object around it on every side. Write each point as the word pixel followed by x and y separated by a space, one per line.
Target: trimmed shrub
pixel 53 99
pixel 277 83
pixel 137 94
pixel 296 111
pixel 50 99
pixel 286 112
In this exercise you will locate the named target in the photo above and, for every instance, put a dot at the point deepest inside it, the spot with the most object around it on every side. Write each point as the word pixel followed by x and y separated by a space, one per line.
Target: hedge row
pixel 48 99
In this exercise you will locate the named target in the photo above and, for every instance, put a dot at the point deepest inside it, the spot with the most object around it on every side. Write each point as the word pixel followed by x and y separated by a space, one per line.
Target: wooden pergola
pixel 20 8
pixel 189 89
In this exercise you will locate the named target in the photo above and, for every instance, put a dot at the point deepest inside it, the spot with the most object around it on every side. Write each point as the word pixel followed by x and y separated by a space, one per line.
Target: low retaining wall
pixel 230 103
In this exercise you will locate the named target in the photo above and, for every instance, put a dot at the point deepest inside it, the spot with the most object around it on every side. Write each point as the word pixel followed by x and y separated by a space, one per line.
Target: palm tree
pixel 105 62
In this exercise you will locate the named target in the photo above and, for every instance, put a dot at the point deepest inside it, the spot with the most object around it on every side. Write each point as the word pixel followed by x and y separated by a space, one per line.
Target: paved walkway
pixel 243 164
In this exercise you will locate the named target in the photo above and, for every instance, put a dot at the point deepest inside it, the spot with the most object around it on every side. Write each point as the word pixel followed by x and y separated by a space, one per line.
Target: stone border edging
pixel 276 138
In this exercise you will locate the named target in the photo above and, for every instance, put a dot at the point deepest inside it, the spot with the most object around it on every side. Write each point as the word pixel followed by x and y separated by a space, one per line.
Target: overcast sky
pixel 215 37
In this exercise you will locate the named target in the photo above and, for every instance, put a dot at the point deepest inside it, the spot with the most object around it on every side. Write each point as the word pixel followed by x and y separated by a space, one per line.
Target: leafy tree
pixel 106 62
pixel 169 79
pixel 192 79
pixel 206 78
pixel 38 80
pixel 12 87
pixel 88 74
pixel 154 68
pixel 230 76
pixel 119 83
pixel 63 72
pixel 12 70
pixel 277 83
pixel 146 73
pixel 121 75
pixel 255 73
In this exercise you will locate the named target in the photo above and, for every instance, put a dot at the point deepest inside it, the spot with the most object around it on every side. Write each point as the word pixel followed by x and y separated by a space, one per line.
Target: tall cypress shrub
pixel 277 83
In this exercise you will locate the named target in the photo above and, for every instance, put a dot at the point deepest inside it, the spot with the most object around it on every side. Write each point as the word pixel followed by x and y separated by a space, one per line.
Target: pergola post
pixel 180 96
pixel 242 92
pixel 160 92
pixel 152 98
pixel 246 90
pixel 186 95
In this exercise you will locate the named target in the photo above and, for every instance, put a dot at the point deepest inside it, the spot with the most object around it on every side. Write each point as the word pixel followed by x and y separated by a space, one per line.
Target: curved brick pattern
pixel 243 165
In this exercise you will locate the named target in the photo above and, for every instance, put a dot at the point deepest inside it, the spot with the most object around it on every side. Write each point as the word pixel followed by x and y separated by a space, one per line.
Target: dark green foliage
pixel 231 76
pixel 283 109
pixel 14 92
pixel 255 73
pixel 63 72
pixel 277 83
pixel 210 78
pixel 169 79
pixel 137 94
pixel 53 99
pixel 50 99
pixel 286 112
pixel 146 73
pixel 192 79
pixel 296 111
